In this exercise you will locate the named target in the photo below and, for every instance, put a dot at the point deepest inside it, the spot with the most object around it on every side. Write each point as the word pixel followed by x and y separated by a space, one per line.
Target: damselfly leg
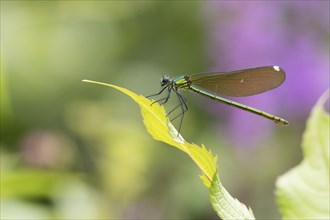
pixel 182 103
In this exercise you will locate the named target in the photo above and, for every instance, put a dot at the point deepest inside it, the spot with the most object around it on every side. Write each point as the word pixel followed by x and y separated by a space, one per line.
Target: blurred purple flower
pixel 291 34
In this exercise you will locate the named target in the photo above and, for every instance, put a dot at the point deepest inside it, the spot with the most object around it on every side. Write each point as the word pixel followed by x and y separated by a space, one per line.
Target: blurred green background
pixel 71 150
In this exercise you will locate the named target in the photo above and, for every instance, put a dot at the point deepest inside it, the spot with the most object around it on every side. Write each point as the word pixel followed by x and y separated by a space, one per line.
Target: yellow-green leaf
pixel 161 129
pixel 158 125
pixel 225 205
pixel 303 192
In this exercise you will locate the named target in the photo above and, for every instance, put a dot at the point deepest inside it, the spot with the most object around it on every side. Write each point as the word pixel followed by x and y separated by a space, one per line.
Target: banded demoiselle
pixel 215 84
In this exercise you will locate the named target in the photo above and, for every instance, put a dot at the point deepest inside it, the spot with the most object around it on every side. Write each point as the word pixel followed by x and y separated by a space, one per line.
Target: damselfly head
pixel 164 80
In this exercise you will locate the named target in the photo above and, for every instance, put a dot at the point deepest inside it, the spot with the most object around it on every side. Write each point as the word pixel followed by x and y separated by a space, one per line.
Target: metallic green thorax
pixel 182 82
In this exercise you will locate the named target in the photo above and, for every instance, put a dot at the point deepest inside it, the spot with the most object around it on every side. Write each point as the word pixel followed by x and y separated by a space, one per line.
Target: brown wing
pixel 242 82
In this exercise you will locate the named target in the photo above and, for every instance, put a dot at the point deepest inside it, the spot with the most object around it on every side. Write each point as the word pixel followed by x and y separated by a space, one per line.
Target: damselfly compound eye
pixel 164 80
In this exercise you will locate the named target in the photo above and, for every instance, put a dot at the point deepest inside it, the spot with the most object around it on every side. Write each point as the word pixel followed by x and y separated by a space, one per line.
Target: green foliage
pixel 36 183
pixel 161 129
pixel 303 192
